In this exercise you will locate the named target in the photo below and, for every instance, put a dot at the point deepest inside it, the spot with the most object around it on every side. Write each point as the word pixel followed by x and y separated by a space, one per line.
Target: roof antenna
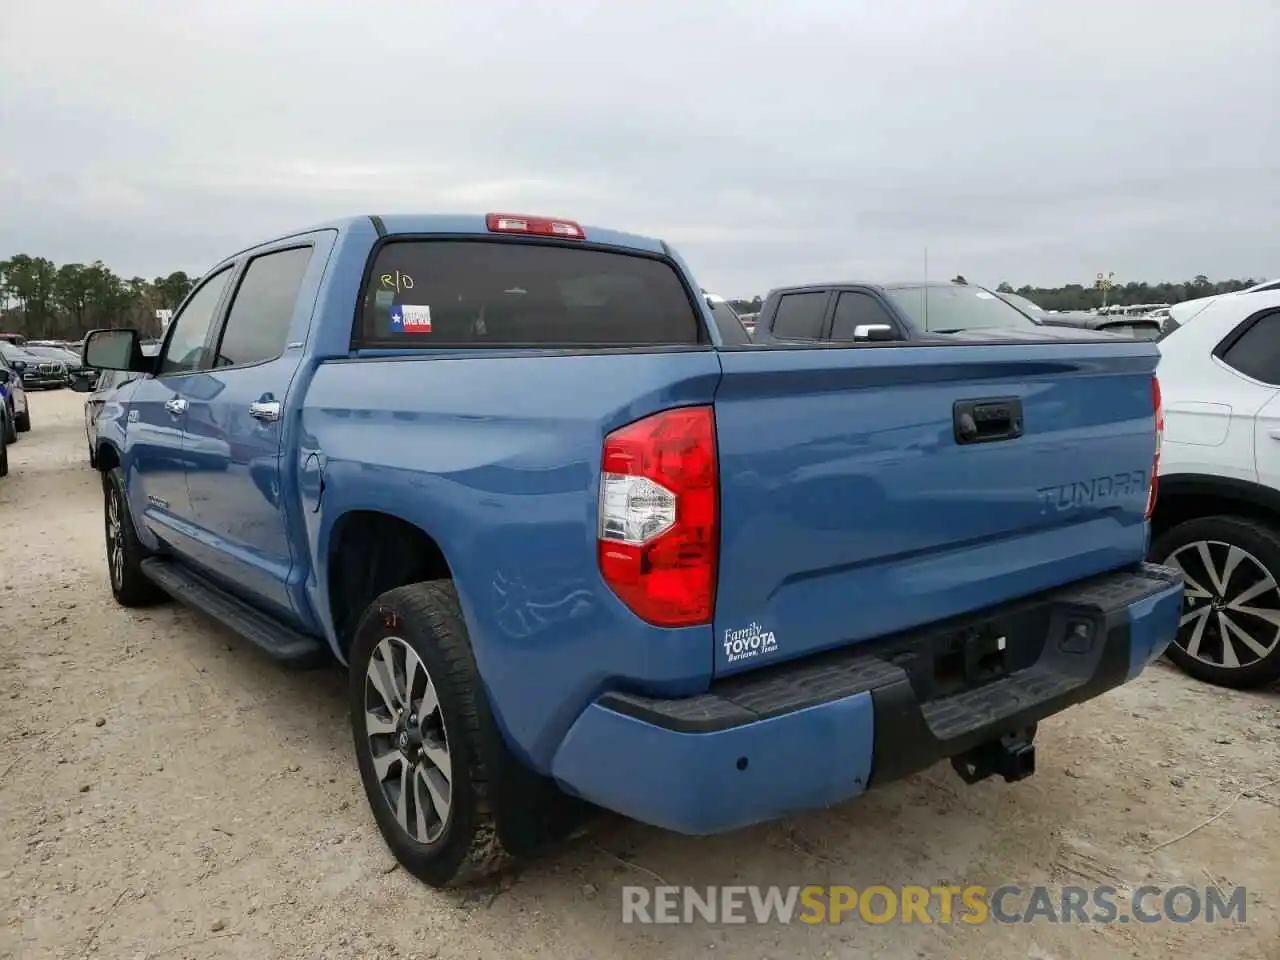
pixel 924 291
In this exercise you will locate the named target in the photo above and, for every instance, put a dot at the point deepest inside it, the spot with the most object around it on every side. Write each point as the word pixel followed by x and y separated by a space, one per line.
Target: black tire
pixel 1180 547
pixel 125 553
pixel 10 428
pixel 22 422
pixel 426 618
pixel 4 456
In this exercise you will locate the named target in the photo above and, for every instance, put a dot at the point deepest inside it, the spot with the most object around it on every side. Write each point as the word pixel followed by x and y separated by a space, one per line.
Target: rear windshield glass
pixel 958 307
pixel 11 353
pixel 460 293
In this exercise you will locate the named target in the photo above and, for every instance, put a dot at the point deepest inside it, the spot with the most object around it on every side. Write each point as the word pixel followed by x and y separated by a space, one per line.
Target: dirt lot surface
pixel 167 793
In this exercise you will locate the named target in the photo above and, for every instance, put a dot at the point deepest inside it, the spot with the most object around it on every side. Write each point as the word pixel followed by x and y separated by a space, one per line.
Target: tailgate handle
pixel 987 421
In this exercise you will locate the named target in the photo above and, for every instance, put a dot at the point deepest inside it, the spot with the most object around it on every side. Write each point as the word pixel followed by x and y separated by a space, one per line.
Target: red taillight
pixel 1158 405
pixel 534 226
pixel 658 536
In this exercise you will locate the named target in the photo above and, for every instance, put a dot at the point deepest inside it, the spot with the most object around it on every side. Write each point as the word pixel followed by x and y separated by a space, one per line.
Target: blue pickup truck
pixel 576 551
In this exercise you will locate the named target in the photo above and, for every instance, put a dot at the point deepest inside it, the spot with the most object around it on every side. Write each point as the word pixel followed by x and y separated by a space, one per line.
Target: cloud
pixel 771 143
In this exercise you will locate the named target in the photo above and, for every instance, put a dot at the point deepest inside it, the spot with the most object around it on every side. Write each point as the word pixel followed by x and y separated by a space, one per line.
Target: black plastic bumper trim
pixel 1086 651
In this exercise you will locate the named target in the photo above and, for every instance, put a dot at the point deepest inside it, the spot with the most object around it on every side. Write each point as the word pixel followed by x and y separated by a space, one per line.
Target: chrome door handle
pixel 176 406
pixel 265 410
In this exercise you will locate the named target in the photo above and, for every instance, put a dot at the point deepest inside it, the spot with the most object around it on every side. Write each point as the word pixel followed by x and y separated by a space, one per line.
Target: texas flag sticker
pixel 408 318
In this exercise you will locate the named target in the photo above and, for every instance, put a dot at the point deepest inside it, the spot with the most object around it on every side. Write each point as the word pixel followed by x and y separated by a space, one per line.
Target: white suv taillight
pixel 1158 404
pixel 658 536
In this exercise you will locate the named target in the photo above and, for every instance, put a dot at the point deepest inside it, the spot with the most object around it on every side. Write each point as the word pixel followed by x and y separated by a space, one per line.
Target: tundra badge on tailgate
pixel 1083 493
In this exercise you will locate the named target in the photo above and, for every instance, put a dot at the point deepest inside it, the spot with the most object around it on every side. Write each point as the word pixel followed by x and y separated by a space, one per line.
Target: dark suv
pixel 38 373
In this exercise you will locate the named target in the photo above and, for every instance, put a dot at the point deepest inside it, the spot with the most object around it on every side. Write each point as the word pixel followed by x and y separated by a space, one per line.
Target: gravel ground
pixel 167 793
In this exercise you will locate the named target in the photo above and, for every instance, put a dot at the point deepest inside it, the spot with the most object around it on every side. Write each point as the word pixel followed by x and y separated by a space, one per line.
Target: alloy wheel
pixel 1231 611
pixel 407 740
pixel 115 539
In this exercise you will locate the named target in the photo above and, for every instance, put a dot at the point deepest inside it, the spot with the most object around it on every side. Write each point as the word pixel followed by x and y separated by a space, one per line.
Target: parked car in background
pixel 100 385
pixel 1131 309
pixel 1217 518
pixel 858 312
pixel 57 354
pixel 7 436
pixel 573 545
pixel 38 373
pixel 16 339
pixel 14 395
pixel 1139 327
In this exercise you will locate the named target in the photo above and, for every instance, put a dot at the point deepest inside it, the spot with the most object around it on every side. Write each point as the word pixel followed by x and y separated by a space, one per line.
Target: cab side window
pixel 854 309
pixel 186 349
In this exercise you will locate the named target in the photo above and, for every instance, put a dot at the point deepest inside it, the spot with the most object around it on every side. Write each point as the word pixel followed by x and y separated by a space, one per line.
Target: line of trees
pixel 46 301
pixel 1076 296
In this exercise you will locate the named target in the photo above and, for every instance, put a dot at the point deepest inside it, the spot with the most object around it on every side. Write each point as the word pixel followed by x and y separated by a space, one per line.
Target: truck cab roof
pixel 436 224
pixel 869 284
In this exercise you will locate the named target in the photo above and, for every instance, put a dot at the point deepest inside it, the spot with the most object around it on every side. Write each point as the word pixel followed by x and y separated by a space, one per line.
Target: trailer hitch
pixel 1013 757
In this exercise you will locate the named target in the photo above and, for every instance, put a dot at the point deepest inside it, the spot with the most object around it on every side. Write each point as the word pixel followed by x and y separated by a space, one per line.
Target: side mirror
pixel 18 365
pixel 114 350
pixel 874 332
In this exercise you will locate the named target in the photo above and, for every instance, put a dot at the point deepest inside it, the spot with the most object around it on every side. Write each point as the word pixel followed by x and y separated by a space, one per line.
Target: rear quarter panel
pixel 497 457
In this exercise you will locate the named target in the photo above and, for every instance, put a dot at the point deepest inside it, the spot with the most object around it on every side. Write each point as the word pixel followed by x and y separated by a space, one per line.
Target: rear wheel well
pixel 369 554
pixel 1180 507
pixel 106 459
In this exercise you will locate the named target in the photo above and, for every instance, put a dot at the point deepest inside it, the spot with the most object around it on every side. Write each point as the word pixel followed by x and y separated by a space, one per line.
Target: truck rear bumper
pixel 819 731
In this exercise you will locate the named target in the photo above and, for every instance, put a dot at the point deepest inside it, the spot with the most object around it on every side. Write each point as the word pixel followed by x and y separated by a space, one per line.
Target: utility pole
pixel 1105 284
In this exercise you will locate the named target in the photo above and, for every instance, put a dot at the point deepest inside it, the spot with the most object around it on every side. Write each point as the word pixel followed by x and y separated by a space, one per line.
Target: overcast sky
pixel 1035 142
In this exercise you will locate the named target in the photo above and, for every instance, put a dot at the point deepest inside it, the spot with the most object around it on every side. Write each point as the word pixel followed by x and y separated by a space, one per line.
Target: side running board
pixel 277 641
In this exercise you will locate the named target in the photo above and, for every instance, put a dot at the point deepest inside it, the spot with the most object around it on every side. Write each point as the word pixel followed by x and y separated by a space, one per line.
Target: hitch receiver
pixel 1013 757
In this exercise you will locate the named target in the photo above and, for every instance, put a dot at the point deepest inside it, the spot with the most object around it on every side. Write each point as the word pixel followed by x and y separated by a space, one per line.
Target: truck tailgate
pixel 851 508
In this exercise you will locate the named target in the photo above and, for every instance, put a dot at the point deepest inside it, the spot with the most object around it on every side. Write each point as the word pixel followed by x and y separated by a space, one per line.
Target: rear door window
pixel 476 293
pixel 800 315
pixel 258 322
pixel 1256 351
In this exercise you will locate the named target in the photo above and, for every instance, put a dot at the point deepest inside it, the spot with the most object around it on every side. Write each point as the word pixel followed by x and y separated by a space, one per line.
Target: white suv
pixel 1218 513
pixel 1180 313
